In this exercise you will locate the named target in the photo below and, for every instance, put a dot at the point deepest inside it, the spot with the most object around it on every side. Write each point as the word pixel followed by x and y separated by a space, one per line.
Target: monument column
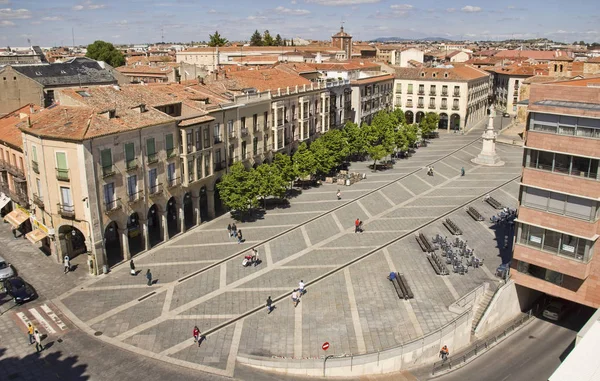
pixel 488 155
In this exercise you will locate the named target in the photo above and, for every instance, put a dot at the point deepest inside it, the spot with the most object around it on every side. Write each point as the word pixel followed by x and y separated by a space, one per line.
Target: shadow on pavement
pixel 41 366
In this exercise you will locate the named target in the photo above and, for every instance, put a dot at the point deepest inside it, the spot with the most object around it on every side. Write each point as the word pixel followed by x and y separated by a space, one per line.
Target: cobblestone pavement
pixel 200 280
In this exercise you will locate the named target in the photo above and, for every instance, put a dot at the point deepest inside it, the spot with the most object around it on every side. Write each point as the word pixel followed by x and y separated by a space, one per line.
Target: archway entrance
pixel 443 121
pixel 72 241
pixel 134 234
pixel 172 225
pixel 203 205
pixel 154 226
pixel 455 122
pixel 112 244
pixel 219 207
pixel 410 117
pixel 188 211
pixel 420 115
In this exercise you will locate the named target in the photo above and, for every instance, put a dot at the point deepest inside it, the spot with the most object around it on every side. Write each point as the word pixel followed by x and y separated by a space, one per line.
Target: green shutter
pixel 150 149
pixel 34 153
pixel 170 142
pixel 61 160
pixel 106 158
pixel 129 152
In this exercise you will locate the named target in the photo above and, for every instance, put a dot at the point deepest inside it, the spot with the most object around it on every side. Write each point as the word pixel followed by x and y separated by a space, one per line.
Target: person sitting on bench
pixel 392 276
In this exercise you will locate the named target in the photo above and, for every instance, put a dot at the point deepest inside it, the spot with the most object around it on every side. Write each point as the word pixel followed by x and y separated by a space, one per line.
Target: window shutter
pixel 150 148
pixel 169 140
pixel 106 158
pixel 129 151
pixel 61 160
pixel 34 153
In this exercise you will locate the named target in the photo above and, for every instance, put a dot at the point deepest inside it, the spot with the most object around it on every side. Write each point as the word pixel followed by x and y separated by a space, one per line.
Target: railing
pixel 455 107
pixel 112 205
pixel 173 182
pixel 444 93
pixel 432 93
pixel 152 158
pixel 231 134
pixel 35 166
pixel 131 165
pixel 443 107
pixel 421 92
pixel 62 174
pixel 244 132
pixel 431 105
pixel 155 189
pixel 219 166
pixel 66 211
pixel 108 170
pixel 420 106
pixel 39 201
pixel 409 105
pixel 218 139
pixel 456 94
pixel 20 197
pixel 131 198
pixel 16 171
pixel 173 152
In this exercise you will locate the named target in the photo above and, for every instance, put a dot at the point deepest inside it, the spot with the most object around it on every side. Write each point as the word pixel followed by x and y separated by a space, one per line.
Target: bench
pixel 474 213
pixel 450 225
pixel 426 246
pixel 438 265
pixel 493 202
pixel 401 287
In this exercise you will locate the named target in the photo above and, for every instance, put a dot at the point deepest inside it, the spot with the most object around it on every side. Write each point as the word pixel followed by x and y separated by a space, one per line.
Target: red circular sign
pixel 325 346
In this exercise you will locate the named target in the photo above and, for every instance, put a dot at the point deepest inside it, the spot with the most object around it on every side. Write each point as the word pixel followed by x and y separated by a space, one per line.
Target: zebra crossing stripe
pixel 54 317
pixel 23 318
pixel 40 319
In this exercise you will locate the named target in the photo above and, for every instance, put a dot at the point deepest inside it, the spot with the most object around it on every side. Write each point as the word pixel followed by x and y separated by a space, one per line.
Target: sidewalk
pixel 510 135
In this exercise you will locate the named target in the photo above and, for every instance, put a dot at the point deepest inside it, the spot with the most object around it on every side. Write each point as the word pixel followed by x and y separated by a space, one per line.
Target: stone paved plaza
pixel 349 303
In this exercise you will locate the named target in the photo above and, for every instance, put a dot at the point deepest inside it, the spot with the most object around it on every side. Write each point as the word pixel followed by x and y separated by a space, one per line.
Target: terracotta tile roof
pixel 374 79
pixel 261 58
pixel 10 123
pixel 594 60
pixel 143 69
pixel 488 53
pixel 534 54
pixel 268 79
pixel 583 82
pixel 453 53
pixel 265 49
pixel 454 73
pixel 513 70
pixel 192 121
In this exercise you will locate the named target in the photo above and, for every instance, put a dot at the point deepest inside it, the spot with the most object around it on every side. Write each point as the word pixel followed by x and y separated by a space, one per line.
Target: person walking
pixel 149 277
pixel 132 267
pixel 269 305
pixel 462 171
pixel 255 259
pixel 301 290
pixel 239 236
pixel 295 298
pixel 30 330
pixel 233 230
pixel 38 341
pixel 67 264
pixel 229 231
pixel 14 231
pixel 339 195
pixel 356 225
pixel 444 352
pixel 196 333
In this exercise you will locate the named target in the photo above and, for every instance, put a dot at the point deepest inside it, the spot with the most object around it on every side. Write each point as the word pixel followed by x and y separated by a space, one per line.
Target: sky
pixel 51 22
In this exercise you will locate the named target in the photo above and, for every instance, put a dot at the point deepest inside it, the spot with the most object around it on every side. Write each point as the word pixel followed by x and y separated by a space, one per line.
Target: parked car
pixel 556 310
pixel 506 115
pixel 19 290
pixel 6 270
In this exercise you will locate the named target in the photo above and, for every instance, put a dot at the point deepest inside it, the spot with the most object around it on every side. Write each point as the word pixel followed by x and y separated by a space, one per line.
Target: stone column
pixel 275 131
pixel 301 116
pixel 145 235
pixel 124 244
pixel 181 219
pixel 197 214
pixel 210 195
pixel 165 226
pixel 488 155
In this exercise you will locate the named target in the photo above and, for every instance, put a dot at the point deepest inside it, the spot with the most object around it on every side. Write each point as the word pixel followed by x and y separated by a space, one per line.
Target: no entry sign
pixel 325 346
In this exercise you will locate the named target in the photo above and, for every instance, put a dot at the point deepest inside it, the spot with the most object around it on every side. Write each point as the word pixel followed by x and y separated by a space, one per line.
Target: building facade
pixel 371 93
pixel 556 248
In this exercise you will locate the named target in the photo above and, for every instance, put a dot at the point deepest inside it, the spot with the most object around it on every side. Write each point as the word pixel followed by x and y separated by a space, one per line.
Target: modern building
pixel 458 94
pixel 371 92
pixel 556 248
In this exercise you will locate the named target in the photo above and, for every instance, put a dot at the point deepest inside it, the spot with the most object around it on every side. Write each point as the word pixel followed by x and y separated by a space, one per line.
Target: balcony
pixel 62 174
pixel 66 211
pixel 173 182
pixel 35 167
pixel 219 166
pixel 14 170
pixel 152 158
pixel 456 94
pixel 39 201
pixel 409 104
pixel 455 107
pixel 432 94
pixel 218 139
pixel 135 197
pixel 19 197
pixel 112 206
pixel 131 165
pixel 155 190
pixel 444 107
pixel 444 93
pixel 420 106
pixel 421 92
pixel 244 132
pixel 172 152
pixel 431 106
pixel 108 170
pixel 231 135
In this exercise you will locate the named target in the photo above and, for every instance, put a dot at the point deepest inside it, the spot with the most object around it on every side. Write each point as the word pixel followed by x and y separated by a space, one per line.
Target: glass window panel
pixel 536 198
pixel 524 233
pixel 535 236
pixel 561 163
pixel 556 203
pixel 129 152
pixel 132 185
pixel 579 207
pixel 568 245
pixel 34 152
pixel 587 122
pixel 548 118
pixel 551 241
pixel 544 128
pixel 566 130
pixel 545 160
pixel 581 166
pixel 585 132
pixel 568 120
pixel 554 277
pixel 594 169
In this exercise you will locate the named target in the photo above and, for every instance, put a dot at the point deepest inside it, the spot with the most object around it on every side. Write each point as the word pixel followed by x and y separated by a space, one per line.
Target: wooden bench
pixel 451 226
pixel 474 213
pixel 401 287
pixel 493 202
pixel 438 265
pixel 426 246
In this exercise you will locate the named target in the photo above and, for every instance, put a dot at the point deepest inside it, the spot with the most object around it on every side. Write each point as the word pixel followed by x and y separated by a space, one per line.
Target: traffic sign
pixel 325 346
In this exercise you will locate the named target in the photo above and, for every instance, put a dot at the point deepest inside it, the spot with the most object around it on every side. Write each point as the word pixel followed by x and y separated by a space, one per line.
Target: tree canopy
pixel 256 39
pixel 304 161
pixel 268 39
pixel 216 40
pixel 429 123
pixel 105 51
pixel 237 190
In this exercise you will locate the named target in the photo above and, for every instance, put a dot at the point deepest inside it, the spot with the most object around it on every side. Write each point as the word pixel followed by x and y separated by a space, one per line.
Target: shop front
pixel 40 234
pixel 19 219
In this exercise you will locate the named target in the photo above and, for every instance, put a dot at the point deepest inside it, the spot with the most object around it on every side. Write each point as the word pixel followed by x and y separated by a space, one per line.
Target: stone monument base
pixel 492 160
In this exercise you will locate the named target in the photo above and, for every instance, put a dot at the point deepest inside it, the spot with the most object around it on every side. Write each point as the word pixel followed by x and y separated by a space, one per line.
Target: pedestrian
pixel 229 231
pixel 295 298
pixel 196 334
pixel 269 305
pixel 301 288
pixel 360 227
pixel 339 195
pixel 233 230
pixel 444 352
pixel 67 264
pixel 255 259
pixel 14 231
pixel 200 337
pixel 356 225
pixel 149 277
pixel 38 341
pixel 30 330
pixel 239 236
pixel 431 169
pixel 132 267
pixel 462 171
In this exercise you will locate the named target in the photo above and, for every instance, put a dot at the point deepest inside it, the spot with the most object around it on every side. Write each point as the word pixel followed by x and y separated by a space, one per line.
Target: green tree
pixel 268 39
pixel 411 132
pixel 355 138
pixel 336 144
pixel 256 39
pixel 399 115
pixel 429 123
pixel 322 156
pixel 304 161
pixel 216 40
pixel 285 167
pixel 401 138
pixel 380 137
pixel 105 51
pixel 278 41
pixel 268 181
pixel 237 189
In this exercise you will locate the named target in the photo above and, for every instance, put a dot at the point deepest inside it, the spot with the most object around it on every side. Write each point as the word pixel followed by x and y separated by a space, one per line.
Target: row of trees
pixel 242 189
pixel 266 39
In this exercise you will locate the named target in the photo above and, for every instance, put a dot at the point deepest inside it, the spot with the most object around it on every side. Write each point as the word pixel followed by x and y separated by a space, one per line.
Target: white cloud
pixel 4 2
pixel 401 7
pixel 342 2
pixel 9 13
pixel 37 22
pixel 450 10
pixel 212 11
pixel 254 18
pixel 288 11
pixel 88 4
pixel 5 23
pixel 78 7
pixel 52 18
pixel 96 6
pixel 471 9
pixel 293 1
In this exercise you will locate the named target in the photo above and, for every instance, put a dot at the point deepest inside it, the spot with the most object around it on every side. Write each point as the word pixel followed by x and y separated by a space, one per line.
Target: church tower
pixel 343 41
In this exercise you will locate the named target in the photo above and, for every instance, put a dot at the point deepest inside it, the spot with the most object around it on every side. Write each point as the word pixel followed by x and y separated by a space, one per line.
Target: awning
pixel 16 217
pixel 36 235
pixel 4 199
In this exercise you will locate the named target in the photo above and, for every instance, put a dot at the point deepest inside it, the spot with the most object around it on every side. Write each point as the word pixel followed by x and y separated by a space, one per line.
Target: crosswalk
pixel 44 319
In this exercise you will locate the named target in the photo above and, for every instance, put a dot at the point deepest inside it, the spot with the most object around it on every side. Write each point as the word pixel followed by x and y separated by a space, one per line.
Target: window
pixel 38 187
pixel 432 90
pixel 198 167
pixel 243 122
pixel 171 172
pixel 555 242
pixel 132 187
pixel 255 146
pixel 106 160
pixel 130 162
pixel 207 164
pixel 218 156
pixel 169 145
pixel 151 151
pixel 62 171
pixel 456 91
pixel 244 151
pixel 34 160
pixel 255 122
pixel 67 200
pixel 198 140
pixel 421 89
pixel 410 88
pixel 265 119
pixel 109 196
pixel 206 137
pixel 153 180
pixel 230 130
pixel 445 90
pixel 217 133
pixel 191 171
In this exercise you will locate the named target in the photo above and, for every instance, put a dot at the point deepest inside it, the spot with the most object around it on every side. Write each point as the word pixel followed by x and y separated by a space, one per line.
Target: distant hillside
pixel 399 39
